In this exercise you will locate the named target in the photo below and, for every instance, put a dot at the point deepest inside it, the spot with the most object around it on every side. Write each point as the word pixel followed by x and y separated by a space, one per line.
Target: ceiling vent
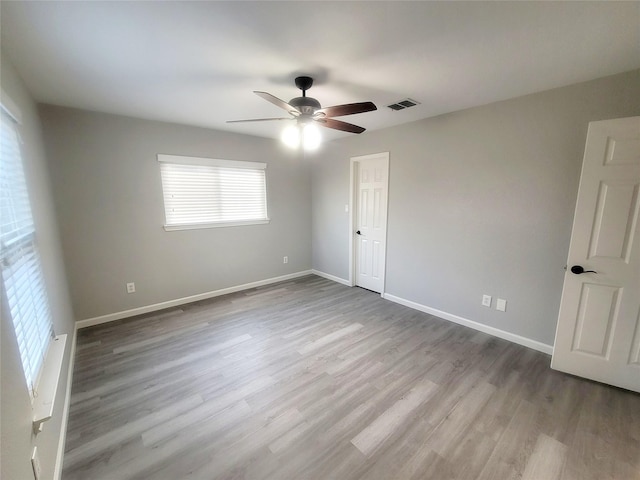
pixel 402 104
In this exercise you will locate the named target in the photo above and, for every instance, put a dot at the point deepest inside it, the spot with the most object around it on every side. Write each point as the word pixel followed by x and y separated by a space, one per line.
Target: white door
pixel 371 173
pixel 598 334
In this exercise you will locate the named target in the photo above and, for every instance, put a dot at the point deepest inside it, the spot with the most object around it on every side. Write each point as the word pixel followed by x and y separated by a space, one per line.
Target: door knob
pixel 577 269
pixel 358 232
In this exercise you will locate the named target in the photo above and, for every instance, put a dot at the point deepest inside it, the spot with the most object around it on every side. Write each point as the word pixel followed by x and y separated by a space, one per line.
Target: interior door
pixel 598 333
pixel 370 225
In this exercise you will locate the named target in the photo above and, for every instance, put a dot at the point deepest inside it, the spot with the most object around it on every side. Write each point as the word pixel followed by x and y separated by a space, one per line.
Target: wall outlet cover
pixel 501 304
pixel 486 300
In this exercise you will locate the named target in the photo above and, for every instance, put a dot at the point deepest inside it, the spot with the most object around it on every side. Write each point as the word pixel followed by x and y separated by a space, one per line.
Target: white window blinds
pixel 205 192
pixel 21 271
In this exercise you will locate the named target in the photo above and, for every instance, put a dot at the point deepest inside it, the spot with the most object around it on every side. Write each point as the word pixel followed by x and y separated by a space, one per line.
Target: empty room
pixel 320 240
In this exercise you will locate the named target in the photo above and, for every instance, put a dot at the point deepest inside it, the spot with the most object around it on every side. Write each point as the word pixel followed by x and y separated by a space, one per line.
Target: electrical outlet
pixel 285 259
pixel 131 287
pixel 35 464
pixel 501 304
pixel 486 300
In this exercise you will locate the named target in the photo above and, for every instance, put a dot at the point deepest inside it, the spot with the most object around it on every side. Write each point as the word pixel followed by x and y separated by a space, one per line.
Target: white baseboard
pixel 496 332
pixel 57 472
pixel 88 322
pixel 332 277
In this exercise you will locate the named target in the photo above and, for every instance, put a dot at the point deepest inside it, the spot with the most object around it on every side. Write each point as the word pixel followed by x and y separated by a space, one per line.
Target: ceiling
pixel 197 63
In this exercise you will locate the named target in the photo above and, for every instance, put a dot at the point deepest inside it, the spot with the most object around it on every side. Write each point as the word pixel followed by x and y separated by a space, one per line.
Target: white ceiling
pixel 197 63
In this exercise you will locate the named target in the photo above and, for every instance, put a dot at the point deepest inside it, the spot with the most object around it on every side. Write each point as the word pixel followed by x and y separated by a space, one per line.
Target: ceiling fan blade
pixel 347 109
pixel 258 120
pixel 278 103
pixel 338 125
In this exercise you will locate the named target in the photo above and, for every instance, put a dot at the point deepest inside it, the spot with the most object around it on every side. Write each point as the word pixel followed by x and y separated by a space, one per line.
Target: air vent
pixel 402 104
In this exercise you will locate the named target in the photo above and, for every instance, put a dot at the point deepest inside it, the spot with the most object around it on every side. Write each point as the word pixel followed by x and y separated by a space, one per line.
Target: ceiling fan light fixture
pixel 311 137
pixel 307 135
pixel 291 136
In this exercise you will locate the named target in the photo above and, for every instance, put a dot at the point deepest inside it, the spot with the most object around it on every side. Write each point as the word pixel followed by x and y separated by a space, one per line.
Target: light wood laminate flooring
pixel 309 379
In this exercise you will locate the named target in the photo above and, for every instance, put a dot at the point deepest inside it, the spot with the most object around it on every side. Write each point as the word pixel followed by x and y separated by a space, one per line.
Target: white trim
pixel 210 162
pixel 89 322
pixel 9 106
pixel 57 471
pixel 47 386
pixel 352 204
pixel 353 214
pixel 496 332
pixel 197 226
pixel 333 278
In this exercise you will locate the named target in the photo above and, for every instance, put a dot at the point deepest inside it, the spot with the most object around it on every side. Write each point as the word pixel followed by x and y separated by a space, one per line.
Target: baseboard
pixel 332 278
pixel 57 471
pixel 496 332
pixel 88 322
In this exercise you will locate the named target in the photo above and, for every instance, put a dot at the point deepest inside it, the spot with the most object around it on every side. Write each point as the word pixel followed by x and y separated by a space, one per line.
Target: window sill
pixel 198 226
pixel 45 394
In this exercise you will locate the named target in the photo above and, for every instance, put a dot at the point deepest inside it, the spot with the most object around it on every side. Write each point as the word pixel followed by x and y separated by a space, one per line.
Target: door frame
pixel 353 212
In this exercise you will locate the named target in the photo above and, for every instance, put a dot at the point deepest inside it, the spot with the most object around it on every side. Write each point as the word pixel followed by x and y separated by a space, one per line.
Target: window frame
pixel 21 268
pixel 216 165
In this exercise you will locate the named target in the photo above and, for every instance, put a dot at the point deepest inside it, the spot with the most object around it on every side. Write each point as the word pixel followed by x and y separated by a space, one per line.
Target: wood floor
pixel 310 379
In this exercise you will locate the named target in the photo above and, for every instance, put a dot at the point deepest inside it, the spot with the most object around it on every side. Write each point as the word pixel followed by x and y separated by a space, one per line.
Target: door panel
pixel 616 211
pixel 376 254
pixel 377 208
pixel 597 312
pixel 622 150
pixel 363 265
pixel 598 325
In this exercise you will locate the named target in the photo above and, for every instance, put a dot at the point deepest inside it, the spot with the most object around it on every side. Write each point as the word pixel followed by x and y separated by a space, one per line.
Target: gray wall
pixel 480 201
pixel 15 410
pixel 108 196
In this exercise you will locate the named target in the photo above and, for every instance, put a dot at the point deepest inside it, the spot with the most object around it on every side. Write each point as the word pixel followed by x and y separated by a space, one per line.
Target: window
pixel 21 269
pixel 205 192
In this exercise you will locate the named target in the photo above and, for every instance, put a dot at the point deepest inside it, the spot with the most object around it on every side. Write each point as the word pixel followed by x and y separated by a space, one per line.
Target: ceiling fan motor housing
pixel 306 105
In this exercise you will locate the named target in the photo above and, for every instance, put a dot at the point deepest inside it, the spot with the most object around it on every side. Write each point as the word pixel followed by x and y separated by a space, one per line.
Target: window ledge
pixel 196 226
pixel 45 394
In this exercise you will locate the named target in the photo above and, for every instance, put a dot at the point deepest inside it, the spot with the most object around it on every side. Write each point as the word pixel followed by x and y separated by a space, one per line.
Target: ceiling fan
pixel 307 110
